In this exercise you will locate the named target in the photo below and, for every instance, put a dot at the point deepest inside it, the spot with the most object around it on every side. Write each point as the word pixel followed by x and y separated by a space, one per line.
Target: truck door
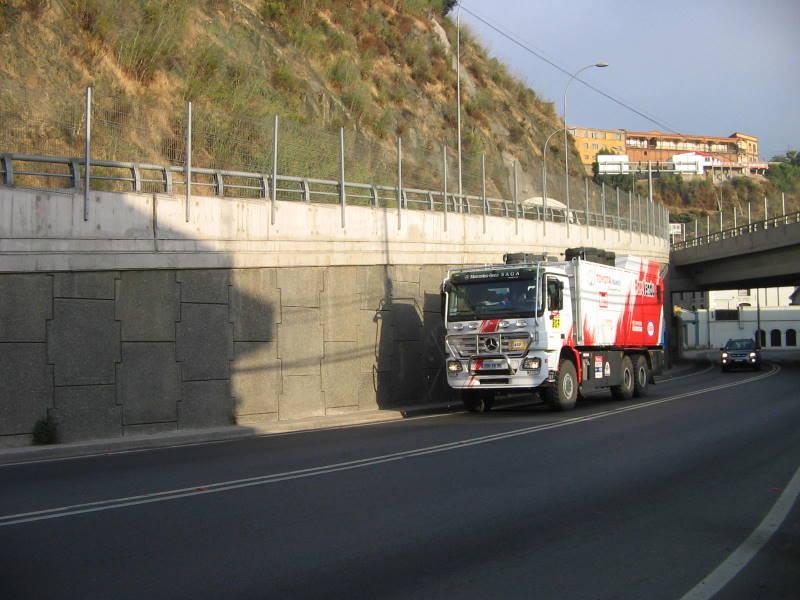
pixel 558 311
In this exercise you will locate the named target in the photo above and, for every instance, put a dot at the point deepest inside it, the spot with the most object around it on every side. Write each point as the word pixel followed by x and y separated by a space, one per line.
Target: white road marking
pixel 731 566
pixel 693 374
pixel 211 488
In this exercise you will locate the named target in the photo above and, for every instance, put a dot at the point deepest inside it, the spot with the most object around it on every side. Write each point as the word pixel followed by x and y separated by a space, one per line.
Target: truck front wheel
pixel 564 394
pixel 642 377
pixel 624 391
pixel 477 402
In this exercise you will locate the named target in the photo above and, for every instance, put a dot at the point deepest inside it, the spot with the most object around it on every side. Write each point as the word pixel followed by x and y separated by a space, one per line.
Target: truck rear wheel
pixel 564 394
pixel 624 391
pixel 641 377
pixel 477 402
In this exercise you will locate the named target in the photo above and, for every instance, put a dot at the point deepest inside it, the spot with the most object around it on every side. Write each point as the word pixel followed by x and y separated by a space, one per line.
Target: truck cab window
pixel 555 294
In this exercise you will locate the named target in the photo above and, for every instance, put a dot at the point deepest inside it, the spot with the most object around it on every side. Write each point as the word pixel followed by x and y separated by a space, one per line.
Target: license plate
pixel 489 365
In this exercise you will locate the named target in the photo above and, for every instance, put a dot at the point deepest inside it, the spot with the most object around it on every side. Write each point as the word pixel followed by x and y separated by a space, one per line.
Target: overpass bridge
pixel 761 254
pixel 269 299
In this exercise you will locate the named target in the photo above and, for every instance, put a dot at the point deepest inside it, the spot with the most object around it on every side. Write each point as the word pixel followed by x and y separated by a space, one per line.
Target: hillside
pixel 378 68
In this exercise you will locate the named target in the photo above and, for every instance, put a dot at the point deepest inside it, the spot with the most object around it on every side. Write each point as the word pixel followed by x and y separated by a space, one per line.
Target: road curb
pixel 30 454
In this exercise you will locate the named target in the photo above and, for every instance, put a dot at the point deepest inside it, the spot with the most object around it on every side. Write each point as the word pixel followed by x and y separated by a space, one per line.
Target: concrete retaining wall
pixel 45 231
pixel 136 320
pixel 117 353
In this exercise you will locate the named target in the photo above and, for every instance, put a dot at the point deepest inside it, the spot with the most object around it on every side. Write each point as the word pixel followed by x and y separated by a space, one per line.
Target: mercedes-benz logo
pixel 492 344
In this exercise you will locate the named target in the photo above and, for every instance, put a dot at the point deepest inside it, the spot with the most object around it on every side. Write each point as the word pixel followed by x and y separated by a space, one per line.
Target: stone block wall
pixel 115 353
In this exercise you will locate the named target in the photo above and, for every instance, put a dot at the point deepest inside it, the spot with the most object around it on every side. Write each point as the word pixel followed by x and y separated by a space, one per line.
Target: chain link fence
pixel 310 160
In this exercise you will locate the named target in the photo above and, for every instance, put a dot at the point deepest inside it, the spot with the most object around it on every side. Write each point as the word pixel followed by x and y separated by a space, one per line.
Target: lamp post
pixel 544 173
pixel 566 127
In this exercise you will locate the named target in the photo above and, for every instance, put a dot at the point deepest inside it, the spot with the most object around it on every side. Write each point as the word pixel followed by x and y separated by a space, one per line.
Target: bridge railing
pixel 738 231
pixel 61 173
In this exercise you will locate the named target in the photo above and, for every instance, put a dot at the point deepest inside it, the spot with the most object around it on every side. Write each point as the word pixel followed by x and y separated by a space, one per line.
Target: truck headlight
pixel 454 366
pixel 517 345
pixel 532 364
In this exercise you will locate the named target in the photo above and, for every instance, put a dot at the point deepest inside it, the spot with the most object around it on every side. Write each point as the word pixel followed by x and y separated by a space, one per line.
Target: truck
pixel 562 328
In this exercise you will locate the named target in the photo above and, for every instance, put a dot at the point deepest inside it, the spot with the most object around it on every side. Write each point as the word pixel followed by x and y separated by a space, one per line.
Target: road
pixel 639 499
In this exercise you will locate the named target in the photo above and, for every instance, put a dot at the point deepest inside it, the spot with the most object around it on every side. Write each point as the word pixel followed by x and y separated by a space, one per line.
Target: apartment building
pixel 656 146
pixel 590 141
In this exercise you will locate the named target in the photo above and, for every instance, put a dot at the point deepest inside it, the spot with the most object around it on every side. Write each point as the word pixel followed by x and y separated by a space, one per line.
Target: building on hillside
pixel 590 141
pixel 736 154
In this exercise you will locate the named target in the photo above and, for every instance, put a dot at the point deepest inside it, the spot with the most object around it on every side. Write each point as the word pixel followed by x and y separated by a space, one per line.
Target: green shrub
pixel 357 99
pixel 343 72
pixel 45 431
pixel 283 78
pixel 272 10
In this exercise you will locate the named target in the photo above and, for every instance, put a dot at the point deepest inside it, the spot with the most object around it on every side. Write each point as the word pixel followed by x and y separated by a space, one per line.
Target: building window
pixel 791 337
pixel 594 146
pixel 744 292
pixel 762 338
pixel 775 338
pixel 586 145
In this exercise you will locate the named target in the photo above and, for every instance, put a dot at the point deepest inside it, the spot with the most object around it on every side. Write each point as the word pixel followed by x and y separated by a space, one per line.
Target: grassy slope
pixel 380 68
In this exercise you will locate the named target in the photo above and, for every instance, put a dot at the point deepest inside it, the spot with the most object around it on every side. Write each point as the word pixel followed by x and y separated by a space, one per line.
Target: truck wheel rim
pixel 627 378
pixel 642 377
pixel 568 386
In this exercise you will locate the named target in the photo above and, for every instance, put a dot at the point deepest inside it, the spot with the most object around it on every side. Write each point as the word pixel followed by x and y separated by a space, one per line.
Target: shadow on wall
pixel 124 352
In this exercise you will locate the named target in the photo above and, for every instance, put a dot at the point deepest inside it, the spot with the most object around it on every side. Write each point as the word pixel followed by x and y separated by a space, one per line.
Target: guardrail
pixel 39 172
pixel 738 231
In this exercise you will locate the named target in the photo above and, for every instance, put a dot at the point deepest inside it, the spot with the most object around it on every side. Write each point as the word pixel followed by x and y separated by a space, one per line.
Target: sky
pixel 707 67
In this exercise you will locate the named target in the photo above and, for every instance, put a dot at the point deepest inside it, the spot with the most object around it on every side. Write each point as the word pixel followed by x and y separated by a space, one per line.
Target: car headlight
pixel 752 355
pixel 518 345
pixel 454 366
pixel 532 364
pixel 724 355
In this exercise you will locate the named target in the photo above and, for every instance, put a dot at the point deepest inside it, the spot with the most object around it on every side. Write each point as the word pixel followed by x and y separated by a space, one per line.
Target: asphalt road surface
pixel 658 497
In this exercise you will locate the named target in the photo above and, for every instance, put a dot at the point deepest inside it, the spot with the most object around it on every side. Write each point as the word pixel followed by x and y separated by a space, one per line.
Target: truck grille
pixel 466 346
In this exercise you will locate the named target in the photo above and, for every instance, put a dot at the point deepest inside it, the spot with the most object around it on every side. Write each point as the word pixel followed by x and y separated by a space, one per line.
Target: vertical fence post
pixel 483 189
pixel 188 173
pixel 87 154
pixel 639 220
pixel 708 225
pixel 766 216
pixel 274 190
pixel 619 220
pixel 516 202
pixel 399 182
pixel 342 191
pixel 586 193
pixel 603 205
pixel 544 188
pixel 783 206
pixel 735 222
pixel 444 182
pixel 650 180
pixel 749 218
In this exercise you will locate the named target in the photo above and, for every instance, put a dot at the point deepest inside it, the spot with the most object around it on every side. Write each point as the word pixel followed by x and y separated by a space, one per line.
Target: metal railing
pixel 41 172
pixel 738 231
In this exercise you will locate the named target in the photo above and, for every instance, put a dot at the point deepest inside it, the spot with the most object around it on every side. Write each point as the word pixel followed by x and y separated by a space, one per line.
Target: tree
pixel 784 171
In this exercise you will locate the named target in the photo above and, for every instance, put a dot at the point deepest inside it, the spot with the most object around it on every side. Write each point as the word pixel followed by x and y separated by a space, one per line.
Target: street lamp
pixel 599 65
pixel 544 175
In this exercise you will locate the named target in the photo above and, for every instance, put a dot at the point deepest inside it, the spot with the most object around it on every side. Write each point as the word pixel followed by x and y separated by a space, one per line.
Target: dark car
pixel 740 353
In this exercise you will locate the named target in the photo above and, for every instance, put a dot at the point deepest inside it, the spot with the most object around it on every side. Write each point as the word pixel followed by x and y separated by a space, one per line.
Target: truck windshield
pixel 492 300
